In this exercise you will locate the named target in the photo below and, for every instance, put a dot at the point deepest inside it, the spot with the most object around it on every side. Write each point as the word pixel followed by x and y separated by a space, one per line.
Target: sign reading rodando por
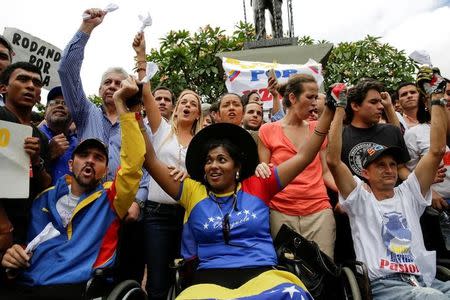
pixel 36 51
pixel 244 77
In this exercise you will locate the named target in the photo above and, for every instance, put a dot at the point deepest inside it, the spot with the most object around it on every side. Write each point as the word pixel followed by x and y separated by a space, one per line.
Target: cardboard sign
pixel 36 51
pixel 244 77
pixel 14 161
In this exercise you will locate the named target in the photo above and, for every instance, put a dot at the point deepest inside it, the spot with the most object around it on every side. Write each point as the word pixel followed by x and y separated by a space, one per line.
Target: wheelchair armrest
pixel 101 283
pixel 361 273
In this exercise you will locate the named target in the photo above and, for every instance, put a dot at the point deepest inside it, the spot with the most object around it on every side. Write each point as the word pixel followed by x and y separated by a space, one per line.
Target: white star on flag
pixel 205 226
pixel 211 219
pixel 246 212
pixel 291 290
pixel 218 218
pixel 253 215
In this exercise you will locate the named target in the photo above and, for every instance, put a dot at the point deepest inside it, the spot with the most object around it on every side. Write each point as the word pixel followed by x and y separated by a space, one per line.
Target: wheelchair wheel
pixel 127 290
pixel 351 288
pixel 442 273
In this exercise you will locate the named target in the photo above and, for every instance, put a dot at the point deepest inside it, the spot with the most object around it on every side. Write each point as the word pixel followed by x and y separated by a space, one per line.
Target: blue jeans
pixel 392 287
pixel 162 234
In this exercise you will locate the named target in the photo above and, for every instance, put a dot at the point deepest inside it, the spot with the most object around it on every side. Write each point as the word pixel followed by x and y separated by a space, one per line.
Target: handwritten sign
pixel 36 51
pixel 244 77
pixel 14 161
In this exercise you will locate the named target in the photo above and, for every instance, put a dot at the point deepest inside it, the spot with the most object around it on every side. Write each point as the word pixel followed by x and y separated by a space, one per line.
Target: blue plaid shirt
pixel 90 120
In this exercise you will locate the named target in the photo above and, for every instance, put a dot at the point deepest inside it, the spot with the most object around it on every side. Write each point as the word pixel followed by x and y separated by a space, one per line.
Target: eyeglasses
pixel 55 102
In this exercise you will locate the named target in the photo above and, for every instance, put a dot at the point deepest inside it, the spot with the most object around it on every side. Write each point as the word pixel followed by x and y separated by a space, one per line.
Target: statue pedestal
pixel 271 43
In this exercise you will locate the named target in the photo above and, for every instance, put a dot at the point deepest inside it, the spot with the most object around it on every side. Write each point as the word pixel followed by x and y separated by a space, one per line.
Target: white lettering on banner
pixel 36 51
pixel 244 77
pixel 14 161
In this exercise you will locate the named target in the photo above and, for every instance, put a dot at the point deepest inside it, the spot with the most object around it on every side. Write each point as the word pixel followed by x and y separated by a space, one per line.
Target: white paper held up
pixel 146 21
pixel 109 8
pixel 150 71
pixel 421 57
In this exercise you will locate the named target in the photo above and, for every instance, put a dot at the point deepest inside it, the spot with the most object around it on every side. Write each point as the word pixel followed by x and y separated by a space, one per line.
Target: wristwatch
pixel 39 167
pixel 441 102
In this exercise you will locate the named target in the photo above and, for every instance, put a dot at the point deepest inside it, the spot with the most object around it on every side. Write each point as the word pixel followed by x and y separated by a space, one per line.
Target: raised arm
pixel 391 116
pixel 342 175
pixel 70 67
pixel 427 167
pixel 132 150
pixel 151 107
pixel 156 168
pixel 289 169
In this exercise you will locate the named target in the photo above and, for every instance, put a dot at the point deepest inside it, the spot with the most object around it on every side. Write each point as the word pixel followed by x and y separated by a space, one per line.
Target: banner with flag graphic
pixel 244 77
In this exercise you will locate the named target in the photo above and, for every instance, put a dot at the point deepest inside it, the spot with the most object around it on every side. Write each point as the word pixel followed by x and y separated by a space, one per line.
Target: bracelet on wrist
pixel 441 102
pixel 319 133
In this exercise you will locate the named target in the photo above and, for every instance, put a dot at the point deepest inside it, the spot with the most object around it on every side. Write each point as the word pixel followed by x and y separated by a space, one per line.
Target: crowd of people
pixel 214 183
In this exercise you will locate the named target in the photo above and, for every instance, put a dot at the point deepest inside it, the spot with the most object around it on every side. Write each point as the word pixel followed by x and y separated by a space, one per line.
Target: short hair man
pixel 57 129
pixel 166 101
pixel 408 98
pixel 6 54
pixel 86 213
pixel 366 102
pixel 253 116
pixel 21 84
pixel 385 219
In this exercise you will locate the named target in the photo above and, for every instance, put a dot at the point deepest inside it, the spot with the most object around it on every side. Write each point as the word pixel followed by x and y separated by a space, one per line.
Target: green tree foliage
pixel 97 100
pixel 187 61
pixel 369 58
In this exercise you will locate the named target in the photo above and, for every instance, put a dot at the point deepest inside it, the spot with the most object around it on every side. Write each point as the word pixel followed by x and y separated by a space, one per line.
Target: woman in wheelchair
pixel 226 225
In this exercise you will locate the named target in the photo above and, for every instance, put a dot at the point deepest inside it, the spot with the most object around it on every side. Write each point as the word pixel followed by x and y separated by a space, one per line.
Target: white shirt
pixel 387 235
pixel 417 139
pixel 66 205
pixel 170 152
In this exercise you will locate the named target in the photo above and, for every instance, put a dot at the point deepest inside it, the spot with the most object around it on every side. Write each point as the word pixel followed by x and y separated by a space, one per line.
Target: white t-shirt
pixel 417 139
pixel 386 234
pixel 170 152
pixel 66 205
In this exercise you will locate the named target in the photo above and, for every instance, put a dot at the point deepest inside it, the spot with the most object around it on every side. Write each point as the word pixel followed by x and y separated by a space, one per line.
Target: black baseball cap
pixel 54 92
pixel 377 151
pixel 91 143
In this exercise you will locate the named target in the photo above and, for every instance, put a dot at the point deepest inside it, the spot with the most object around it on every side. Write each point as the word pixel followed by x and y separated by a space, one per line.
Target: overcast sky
pixel 406 24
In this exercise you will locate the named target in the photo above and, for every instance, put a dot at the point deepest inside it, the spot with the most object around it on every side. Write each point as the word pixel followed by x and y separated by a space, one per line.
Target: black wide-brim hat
pixel 196 153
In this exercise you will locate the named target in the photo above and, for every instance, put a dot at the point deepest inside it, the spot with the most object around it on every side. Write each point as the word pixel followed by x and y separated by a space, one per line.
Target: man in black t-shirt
pixel 21 84
pixel 366 102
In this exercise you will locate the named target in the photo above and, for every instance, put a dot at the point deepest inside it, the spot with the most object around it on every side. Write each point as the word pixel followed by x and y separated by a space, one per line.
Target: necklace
pixel 410 120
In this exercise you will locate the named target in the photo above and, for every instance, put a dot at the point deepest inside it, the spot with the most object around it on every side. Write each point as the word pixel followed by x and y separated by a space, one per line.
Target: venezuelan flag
pixel 233 74
pixel 273 284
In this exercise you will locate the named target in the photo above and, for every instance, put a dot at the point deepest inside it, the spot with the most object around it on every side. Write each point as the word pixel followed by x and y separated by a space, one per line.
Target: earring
pixel 237 175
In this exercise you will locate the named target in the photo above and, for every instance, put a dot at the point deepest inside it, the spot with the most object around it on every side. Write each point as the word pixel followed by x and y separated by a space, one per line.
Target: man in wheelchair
pixel 384 219
pixel 74 224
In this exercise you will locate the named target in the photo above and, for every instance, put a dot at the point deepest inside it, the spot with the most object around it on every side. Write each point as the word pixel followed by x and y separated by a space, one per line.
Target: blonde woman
pixel 162 217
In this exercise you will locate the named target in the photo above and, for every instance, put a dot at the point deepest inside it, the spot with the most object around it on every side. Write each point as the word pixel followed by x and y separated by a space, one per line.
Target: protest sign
pixel 244 77
pixel 14 161
pixel 36 51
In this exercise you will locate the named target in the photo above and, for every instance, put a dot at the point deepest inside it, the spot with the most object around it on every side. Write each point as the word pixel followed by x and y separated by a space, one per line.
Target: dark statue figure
pixel 274 6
